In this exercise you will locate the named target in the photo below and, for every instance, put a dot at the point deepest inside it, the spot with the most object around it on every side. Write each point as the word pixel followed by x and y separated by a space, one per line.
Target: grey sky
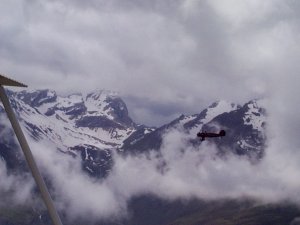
pixel 164 57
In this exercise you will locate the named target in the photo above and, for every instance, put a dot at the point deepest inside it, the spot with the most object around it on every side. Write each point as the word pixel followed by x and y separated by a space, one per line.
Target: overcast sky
pixel 164 57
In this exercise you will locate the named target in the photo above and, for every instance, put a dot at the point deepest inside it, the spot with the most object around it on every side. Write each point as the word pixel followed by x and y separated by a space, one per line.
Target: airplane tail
pixel 222 133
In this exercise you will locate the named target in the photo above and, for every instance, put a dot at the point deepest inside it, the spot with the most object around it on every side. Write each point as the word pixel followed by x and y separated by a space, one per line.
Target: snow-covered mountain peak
pixel 101 95
pixel 69 100
pixel 103 103
pixel 255 115
pixel 242 137
pixel 223 106
pixel 98 101
pixel 38 97
pixel 108 104
pixel 99 118
pixel 93 124
pixel 218 108
pixel 195 123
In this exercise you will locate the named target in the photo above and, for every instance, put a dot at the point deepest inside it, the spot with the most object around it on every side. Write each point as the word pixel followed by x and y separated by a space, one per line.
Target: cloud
pixel 82 196
pixel 5 131
pixel 190 172
pixel 14 188
pixel 181 171
pixel 166 58
pixel 160 52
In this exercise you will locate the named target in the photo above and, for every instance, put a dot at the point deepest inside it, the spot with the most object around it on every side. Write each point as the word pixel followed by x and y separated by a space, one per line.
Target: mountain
pixel 244 125
pixel 88 125
pixel 98 118
pixel 96 125
pixel 150 210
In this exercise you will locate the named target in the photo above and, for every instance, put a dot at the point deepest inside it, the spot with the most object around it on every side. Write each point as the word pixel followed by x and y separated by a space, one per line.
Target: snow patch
pixel 255 116
pixel 217 109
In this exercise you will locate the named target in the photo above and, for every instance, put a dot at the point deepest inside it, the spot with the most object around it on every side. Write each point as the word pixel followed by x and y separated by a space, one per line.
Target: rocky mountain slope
pixel 88 125
pixel 244 125
pixel 99 121
pixel 93 126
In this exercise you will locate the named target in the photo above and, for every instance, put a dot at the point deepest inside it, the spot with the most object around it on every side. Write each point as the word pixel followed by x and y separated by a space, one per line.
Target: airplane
pixel 204 134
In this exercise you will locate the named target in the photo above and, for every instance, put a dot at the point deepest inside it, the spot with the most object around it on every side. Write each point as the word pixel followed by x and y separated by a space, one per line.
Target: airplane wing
pixel 5 81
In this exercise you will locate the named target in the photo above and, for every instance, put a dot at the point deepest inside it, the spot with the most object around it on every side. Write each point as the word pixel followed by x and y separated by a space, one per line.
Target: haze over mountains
pixel 100 121
pixel 95 134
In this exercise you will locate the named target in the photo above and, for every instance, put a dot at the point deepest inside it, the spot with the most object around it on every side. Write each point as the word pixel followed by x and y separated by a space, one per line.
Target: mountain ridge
pixel 101 119
pixel 96 125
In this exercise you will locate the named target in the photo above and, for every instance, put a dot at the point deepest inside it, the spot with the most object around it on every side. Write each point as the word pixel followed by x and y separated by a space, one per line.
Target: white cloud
pixel 240 14
pixel 14 189
pixel 183 171
pixel 199 50
pixel 182 55
pixel 179 174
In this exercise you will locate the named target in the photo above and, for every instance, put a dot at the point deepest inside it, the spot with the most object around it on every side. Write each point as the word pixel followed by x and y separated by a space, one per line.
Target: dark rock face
pixel 72 111
pixel 11 153
pixel 10 156
pixel 95 162
pixel 97 110
pixel 97 122
pixel 140 134
pixel 36 132
pixel 119 111
pixel 37 98
pixel 139 142
pixel 114 106
pixel 242 137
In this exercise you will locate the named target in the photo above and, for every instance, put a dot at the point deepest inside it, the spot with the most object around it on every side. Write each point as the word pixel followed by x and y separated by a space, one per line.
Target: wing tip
pixel 5 81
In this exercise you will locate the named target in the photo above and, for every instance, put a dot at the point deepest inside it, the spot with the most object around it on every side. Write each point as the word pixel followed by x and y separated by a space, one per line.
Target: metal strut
pixel 29 158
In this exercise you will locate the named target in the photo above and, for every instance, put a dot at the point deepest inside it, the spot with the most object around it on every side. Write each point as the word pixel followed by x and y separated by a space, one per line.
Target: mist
pixel 179 171
pixel 15 189
pixel 167 59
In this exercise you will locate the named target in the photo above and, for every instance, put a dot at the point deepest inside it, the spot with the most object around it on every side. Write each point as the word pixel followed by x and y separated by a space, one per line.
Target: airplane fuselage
pixel 204 135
